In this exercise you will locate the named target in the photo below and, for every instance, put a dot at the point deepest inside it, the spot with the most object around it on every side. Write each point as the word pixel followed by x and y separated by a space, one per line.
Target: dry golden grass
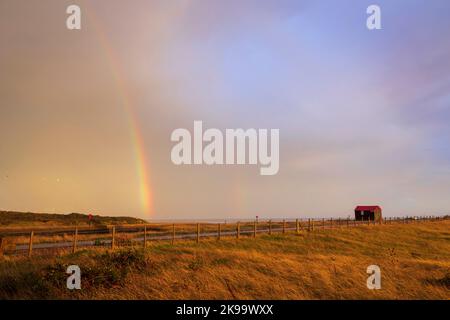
pixel 331 264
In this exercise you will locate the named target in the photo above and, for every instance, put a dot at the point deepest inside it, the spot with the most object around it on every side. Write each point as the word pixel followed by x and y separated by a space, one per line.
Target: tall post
pixel 297 226
pixel 30 246
pixel 323 224
pixel 312 225
pixel 331 223
pixel 75 236
pixel 270 227
pixel 347 222
pixel 173 233
pixel 309 225
pixel 145 236
pixel 284 226
pixel 113 239
pixel 238 229
pixel 219 231
pixel 198 232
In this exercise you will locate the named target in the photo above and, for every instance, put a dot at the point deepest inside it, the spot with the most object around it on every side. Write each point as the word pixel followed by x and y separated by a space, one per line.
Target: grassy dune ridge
pixel 20 220
pixel 331 264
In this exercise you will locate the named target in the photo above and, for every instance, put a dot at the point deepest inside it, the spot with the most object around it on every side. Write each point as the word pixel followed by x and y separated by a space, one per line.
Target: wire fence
pixel 26 241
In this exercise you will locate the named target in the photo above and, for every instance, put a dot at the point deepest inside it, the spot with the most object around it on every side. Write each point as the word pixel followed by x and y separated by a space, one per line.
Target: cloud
pixel 363 117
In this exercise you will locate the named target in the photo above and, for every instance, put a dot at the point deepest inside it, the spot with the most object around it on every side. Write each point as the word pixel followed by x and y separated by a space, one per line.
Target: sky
pixel 86 115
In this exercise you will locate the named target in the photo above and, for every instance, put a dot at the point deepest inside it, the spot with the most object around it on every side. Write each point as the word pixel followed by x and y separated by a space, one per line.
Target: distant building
pixel 364 213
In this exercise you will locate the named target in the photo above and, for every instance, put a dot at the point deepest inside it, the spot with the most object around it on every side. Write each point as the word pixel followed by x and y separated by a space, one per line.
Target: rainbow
pixel 145 190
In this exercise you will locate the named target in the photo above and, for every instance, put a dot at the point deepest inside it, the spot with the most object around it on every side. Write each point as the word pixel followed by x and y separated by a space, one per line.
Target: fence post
pixel 238 230
pixel 297 226
pixel 254 229
pixel 270 227
pixel 145 236
pixel 331 223
pixel 198 232
pixel 219 231
pixel 113 239
pixel 309 225
pixel 347 223
pixel 323 224
pixel 75 236
pixel 284 226
pixel 312 225
pixel 30 246
pixel 173 233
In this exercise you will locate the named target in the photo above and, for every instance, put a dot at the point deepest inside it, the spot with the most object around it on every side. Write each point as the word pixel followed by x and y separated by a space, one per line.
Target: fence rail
pixel 30 241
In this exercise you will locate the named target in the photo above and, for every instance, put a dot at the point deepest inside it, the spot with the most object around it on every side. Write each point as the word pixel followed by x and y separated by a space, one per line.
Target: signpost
pixel 90 219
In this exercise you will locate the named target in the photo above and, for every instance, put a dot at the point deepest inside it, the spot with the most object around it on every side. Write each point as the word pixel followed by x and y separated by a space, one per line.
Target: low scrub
pixel 414 260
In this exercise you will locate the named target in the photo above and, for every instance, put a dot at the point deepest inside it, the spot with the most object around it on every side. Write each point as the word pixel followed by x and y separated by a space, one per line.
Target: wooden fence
pixel 27 242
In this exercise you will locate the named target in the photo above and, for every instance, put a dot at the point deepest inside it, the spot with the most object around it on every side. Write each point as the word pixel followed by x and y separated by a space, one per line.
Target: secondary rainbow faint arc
pixel 145 190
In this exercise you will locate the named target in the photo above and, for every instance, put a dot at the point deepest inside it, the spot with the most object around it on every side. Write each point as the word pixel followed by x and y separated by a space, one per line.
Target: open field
pixel 326 264
pixel 38 239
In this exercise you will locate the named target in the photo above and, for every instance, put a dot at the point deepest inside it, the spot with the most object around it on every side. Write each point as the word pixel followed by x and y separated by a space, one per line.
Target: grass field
pixel 331 264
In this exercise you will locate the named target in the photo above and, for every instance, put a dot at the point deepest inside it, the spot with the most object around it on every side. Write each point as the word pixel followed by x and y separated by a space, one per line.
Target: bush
pixel 31 281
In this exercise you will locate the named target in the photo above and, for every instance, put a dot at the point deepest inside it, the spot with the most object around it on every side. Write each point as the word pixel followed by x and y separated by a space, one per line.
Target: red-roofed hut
pixel 364 213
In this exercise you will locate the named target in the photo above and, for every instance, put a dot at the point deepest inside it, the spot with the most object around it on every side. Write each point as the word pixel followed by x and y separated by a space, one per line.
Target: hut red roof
pixel 367 208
